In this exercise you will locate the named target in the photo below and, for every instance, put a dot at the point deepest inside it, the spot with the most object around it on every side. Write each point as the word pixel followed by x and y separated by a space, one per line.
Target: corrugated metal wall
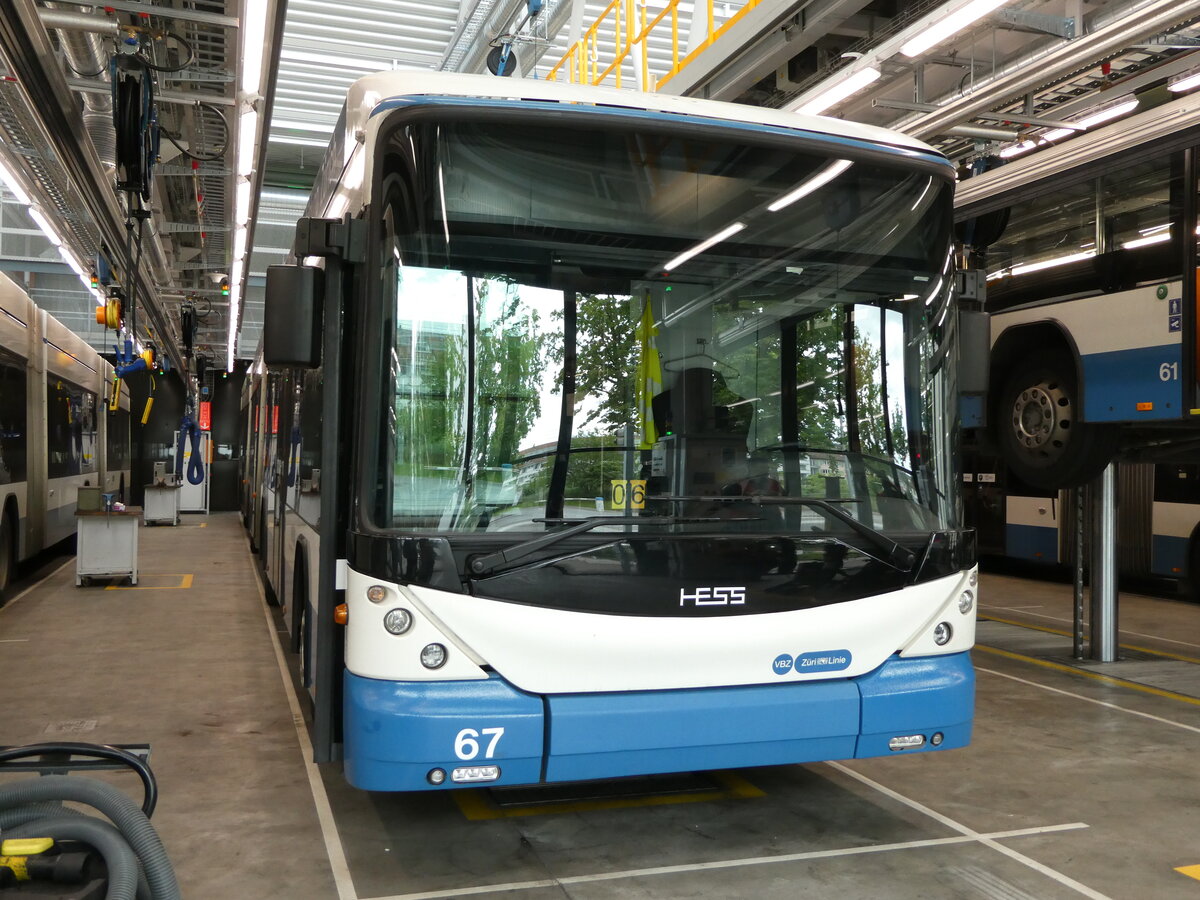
pixel 1135 500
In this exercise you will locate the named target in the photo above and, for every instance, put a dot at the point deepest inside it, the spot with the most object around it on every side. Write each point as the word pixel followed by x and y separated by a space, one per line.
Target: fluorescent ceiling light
pixel 852 84
pixel 70 260
pixel 704 245
pixel 818 181
pixel 303 142
pixel 44 224
pixel 337 62
pixel 1018 149
pixel 235 296
pixel 1147 241
pixel 950 25
pixel 254 38
pixel 242 203
pixel 10 181
pixel 295 125
pixel 247 132
pixel 1051 263
pixel 1105 115
pixel 1185 84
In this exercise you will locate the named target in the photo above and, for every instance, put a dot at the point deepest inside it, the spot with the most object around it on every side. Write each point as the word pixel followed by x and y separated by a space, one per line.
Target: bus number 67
pixel 466 745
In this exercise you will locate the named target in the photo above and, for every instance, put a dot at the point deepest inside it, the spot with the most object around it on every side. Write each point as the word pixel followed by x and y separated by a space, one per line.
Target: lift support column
pixel 1103 620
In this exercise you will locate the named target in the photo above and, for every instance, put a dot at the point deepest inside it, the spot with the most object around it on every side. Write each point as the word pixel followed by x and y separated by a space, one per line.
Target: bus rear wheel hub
pixel 1040 418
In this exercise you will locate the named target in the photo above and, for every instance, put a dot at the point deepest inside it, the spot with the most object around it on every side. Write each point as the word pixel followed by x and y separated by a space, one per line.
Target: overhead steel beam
pixel 186 98
pixel 1017 118
pixel 1040 67
pixel 766 38
pixel 166 12
pixel 26 46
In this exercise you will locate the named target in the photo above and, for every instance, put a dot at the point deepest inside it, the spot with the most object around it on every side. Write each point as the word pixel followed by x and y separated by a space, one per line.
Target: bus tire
pixel 1189 585
pixel 1039 430
pixel 8 553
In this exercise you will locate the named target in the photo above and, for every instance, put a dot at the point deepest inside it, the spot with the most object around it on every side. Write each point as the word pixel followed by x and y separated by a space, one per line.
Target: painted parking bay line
pixel 1094 676
pixel 177 582
pixel 477 805
pixel 738 863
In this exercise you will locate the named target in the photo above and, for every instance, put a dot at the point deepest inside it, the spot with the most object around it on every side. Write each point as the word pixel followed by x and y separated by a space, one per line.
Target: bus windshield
pixel 694 326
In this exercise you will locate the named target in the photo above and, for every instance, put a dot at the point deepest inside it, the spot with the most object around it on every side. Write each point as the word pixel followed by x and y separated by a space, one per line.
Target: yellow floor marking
pixel 1095 676
pixel 185 582
pixel 1164 653
pixel 477 806
pixel 1189 871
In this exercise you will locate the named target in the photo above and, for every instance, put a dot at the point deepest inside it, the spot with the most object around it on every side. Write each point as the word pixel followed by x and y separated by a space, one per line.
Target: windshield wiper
pixel 481 565
pixel 896 556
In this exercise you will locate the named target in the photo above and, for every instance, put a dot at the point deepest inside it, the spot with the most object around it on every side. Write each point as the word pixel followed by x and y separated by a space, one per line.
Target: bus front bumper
pixel 411 736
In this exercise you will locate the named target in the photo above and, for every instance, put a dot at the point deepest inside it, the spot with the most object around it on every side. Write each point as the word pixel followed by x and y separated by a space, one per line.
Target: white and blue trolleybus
pixel 622 430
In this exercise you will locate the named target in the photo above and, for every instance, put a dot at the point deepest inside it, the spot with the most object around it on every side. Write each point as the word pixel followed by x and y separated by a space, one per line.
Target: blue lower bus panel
pixel 402 736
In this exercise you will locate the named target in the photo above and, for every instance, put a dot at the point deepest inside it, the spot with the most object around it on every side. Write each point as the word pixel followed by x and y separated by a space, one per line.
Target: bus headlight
pixel 377 593
pixel 397 621
pixel 942 632
pixel 966 601
pixel 433 656
pixel 974 579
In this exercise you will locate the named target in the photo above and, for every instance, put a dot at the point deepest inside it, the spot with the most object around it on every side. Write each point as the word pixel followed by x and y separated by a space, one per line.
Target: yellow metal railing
pixel 623 27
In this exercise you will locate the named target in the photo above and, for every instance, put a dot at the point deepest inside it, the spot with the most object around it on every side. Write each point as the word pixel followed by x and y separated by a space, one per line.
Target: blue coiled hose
pixel 195 472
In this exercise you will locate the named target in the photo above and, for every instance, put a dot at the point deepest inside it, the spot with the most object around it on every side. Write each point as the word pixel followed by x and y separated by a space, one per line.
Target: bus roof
pixel 371 90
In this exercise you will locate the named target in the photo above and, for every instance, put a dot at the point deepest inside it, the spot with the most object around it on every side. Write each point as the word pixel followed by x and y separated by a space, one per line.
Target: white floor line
pixel 987 840
pixel 731 863
pixel 333 841
pixel 1154 637
pixel 1104 703
pixel 15 600
pixel 15 641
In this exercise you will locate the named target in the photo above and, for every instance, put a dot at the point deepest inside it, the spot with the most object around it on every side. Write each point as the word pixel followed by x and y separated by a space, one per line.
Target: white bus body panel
pixel 561 651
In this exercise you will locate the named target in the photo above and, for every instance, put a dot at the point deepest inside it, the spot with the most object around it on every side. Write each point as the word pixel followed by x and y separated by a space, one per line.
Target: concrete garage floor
pixel 1081 780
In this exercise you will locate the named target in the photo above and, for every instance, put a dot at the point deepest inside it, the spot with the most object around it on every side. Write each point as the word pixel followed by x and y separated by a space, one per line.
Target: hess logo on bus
pixel 713 596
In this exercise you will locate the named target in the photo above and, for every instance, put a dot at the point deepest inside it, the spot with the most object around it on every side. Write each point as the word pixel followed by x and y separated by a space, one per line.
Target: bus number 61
pixel 467 747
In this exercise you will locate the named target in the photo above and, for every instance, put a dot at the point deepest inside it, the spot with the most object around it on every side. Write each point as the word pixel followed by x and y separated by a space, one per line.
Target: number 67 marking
pixel 467 747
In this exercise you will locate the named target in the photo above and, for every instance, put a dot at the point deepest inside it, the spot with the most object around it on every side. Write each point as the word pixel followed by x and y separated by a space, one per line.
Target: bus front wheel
pixel 1040 433
pixel 8 554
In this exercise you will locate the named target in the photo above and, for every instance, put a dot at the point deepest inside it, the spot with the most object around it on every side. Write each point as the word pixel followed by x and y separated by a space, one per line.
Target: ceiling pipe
pixel 983 133
pixel 55 16
pixel 1121 29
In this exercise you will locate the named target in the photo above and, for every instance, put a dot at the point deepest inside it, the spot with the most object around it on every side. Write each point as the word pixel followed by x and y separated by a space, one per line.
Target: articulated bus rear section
pixel 58 429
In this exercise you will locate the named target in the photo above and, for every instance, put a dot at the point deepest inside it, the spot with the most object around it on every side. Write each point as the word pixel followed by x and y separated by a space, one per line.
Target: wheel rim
pixel 1041 420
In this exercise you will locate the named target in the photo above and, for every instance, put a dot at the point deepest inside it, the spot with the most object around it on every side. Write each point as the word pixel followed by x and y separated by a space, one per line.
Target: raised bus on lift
pixel 620 431
pixel 57 431
pixel 1089 250
pixel 1090 253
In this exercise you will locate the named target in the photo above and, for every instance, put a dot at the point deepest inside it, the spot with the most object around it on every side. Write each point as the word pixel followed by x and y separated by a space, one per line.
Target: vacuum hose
pixel 133 830
pixel 195 471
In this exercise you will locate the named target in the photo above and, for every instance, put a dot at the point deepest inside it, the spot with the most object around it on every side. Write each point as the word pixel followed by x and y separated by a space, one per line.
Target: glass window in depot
pixel 13 419
pixel 71 429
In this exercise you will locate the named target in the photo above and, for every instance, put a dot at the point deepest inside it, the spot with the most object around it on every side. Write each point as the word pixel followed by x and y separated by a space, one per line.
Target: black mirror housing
pixel 292 316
